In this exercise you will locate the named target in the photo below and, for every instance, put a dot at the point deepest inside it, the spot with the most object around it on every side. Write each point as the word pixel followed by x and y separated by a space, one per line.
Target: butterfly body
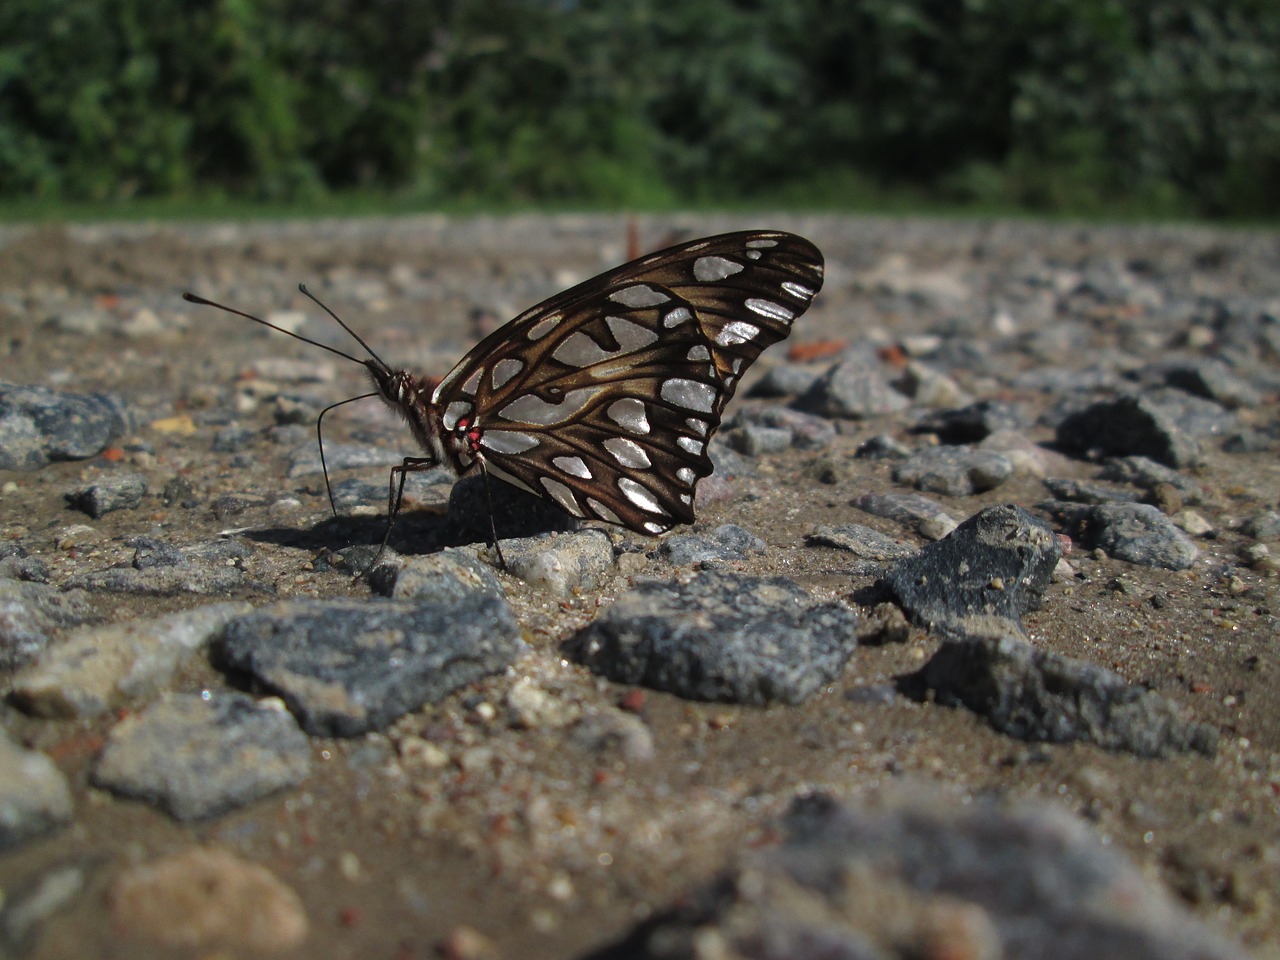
pixel 603 398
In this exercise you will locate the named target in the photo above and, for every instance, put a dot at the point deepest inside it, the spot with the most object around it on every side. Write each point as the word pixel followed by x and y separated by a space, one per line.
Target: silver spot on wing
pixel 676 317
pixel 473 382
pixel 639 295
pixel 707 269
pixel 507 441
pixel 579 350
pixel 798 290
pixel 767 308
pixel 529 408
pixel 690 394
pixel 629 414
pixel 686 475
pixel 690 445
pixel 504 370
pixel 736 331
pixel 641 496
pixel 561 495
pixel 573 465
pixel 544 326
pixel 455 412
pixel 601 511
pixel 627 452
pixel 630 336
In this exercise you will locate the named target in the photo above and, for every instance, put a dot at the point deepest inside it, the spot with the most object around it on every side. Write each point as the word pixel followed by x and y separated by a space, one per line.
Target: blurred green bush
pixel 1061 105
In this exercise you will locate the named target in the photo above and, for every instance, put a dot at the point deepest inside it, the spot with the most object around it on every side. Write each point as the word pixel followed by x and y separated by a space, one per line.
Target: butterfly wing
pixel 604 397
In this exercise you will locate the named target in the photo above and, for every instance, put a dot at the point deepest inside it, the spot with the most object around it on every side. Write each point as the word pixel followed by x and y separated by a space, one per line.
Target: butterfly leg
pixel 395 495
pixel 493 526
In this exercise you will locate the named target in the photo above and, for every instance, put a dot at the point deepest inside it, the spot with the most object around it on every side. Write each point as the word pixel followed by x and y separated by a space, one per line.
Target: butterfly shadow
pixel 464 521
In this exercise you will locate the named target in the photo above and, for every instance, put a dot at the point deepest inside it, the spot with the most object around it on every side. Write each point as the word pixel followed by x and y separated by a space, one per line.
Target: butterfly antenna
pixel 324 465
pixel 192 298
pixel 337 319
pixel 493 524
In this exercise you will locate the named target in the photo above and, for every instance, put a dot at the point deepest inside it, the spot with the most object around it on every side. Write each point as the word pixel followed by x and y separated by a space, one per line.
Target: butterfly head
pixel 410 397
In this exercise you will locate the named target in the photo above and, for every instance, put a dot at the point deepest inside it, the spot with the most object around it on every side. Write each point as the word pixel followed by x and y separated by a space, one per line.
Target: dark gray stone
pixel 115 491
pixel 753 440
pixel 882 447
pixel 515 513
pixel 1082 491
pixel 861 541
pixel 39 425
pixel 1212 379
pixel 196 757
pixel 851 389
pixel 909 509
pixel 1263 526
pixel 31 614
pixel 1147 475
pixel 233 438
pixel 721 637
pixel 346 667
pixel 954 471
pixel 972 423
pixel 34 795
pixel 806 431
pixel 1035 695
pixel 925 873
pixel 785 380
pixel 983 577
pixel 450 576
pixel 163 581
pixel 1167 425
pixel 728 542
pixel 1133 532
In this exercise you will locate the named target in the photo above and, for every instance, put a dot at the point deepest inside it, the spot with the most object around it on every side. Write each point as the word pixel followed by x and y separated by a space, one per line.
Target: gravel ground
pixel 865 707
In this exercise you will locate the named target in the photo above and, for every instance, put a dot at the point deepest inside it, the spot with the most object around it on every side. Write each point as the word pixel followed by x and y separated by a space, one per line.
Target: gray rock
pixel 115 491
pixel 30 614
pixel 753 440
pixel 96 669
pixel 1133 532
pixel 954 471
pixel 922 874
pixel 346 667
pixel 561 563
pixel 806 431
pixel 726 543
pixel 1263 526
pixel 971 423
pixel 982 578
pixel 1147 475
pixel 882 447
pixel 34 795
pixel 861 541
pixel 851 389
pixel 1081 491
pixel 1167 425
pixel 785 380
pixel 195 757
pixel 1035 695
pixel 39 425
pixel 1211 379
pixel 721 637
pixel 913 511
pixel 162 581
pixel 450 576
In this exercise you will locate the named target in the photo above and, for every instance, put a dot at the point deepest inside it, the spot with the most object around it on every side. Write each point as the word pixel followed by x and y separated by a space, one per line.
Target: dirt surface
pixel 543 844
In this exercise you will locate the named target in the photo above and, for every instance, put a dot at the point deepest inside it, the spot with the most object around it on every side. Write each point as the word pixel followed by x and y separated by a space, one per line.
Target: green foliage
pixel 1062 105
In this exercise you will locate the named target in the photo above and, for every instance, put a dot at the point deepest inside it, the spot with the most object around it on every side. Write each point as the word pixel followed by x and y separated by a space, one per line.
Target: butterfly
pixel 603 398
